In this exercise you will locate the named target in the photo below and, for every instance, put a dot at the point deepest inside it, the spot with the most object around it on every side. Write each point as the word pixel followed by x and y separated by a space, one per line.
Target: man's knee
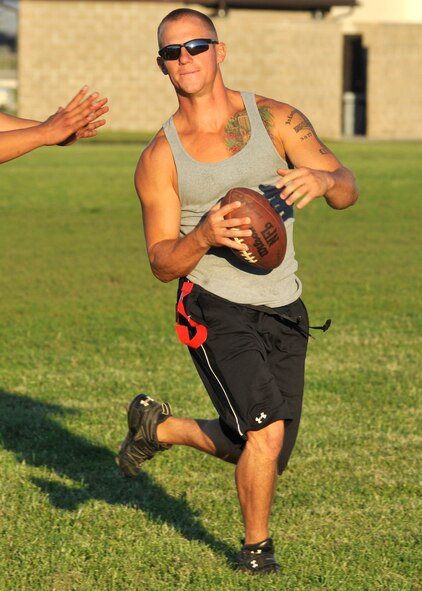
pixel 267 441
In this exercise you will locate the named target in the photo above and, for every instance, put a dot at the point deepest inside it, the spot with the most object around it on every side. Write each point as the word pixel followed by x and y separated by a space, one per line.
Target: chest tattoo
pixel 237 132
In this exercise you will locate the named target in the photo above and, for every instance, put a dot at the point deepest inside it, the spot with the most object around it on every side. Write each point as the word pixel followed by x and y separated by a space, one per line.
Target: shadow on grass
pixel 29 430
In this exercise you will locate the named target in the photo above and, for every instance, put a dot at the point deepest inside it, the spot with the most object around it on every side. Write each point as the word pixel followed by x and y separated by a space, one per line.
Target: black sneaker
pixel 258 559
pixel 140 444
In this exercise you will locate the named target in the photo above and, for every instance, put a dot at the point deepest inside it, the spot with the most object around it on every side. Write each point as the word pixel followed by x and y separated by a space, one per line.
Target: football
pixel 267 245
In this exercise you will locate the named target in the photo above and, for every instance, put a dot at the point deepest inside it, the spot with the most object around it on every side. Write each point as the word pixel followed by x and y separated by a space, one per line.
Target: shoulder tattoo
pixel 267 119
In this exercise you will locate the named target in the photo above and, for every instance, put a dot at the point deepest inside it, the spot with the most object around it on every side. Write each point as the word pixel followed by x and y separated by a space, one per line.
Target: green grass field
pixel 85 326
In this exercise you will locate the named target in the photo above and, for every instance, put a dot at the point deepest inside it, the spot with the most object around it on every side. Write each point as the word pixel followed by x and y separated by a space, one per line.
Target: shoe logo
pixel 261 417
pixel 146 402
pixel 254 564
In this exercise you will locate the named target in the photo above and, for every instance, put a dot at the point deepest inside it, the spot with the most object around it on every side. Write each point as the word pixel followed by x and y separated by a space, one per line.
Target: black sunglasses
pixel 193 47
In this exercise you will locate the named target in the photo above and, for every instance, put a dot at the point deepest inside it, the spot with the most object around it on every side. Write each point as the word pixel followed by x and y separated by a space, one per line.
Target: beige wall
pixel 394 80
pixel 111 45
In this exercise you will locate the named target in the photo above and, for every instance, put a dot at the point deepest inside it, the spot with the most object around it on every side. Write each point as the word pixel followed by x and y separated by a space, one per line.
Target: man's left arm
pixel 318 172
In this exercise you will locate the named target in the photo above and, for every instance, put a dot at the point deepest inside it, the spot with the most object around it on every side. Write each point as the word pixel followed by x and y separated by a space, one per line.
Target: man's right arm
pixel 170 255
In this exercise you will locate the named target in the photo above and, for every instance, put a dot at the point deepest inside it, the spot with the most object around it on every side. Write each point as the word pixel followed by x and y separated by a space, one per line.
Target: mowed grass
pixel 85 326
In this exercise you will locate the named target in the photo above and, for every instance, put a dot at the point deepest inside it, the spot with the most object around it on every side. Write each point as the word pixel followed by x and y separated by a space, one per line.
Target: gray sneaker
pixel 258 559
pixel 140 444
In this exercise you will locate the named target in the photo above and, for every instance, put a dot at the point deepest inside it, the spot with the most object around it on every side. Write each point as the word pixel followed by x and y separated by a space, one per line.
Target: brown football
pixel 267 245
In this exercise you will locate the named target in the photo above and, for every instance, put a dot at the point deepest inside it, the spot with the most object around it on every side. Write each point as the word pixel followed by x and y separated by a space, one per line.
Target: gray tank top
pixel 201 185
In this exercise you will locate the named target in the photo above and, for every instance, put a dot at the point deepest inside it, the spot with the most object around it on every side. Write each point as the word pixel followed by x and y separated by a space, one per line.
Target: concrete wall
pixel 111 45
pixel 394 108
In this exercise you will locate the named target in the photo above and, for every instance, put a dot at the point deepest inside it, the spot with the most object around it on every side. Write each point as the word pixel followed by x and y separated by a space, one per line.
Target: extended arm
pixel 170 255
pixel 318 171
pixel 79 119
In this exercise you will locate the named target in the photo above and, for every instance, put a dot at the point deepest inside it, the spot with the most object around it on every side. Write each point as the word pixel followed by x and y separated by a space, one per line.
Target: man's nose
pixel 185 56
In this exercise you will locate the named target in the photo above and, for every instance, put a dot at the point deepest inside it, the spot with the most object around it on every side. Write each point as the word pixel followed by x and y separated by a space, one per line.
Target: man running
pixel 246 330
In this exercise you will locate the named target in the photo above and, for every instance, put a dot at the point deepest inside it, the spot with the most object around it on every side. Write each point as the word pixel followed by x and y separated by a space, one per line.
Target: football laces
pixel 246 254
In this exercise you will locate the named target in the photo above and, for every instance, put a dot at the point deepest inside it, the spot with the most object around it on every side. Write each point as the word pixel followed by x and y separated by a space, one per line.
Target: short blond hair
pixel 180 13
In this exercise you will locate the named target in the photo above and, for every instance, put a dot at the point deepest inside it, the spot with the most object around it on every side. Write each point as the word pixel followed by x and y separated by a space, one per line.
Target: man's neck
pixel 208 112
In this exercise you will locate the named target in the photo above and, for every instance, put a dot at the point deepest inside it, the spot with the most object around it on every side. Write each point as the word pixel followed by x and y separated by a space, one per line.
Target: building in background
pixel 382 90
pixel 352 69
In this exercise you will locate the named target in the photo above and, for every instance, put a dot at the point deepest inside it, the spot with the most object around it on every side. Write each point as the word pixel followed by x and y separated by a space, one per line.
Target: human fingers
pixel 298 183
pixel 236 222
pixel 77 98
pixel 100 111
pixel 88 107
pixel 95 111
pixel 85 124
pixel 231 232
pixel 84 115
pixel 223 217
pixel 84 134
pixel 226 209
pixel 221 231
pixel 90 129
pixel 302 191
pixel 79 113
pixel 305 199
pixel 95 124
pixel 229 226
pixel 293 190
pixel 288 183
pixel 288 175
pixel 99 104
pixel 91 120
pixel 235 242
pixel 218 215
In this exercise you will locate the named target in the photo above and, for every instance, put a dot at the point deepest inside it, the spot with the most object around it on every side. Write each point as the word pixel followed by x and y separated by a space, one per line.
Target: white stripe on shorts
pixel 222 388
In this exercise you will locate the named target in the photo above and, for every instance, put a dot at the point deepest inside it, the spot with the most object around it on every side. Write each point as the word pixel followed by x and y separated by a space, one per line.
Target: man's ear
pixel 221 53
pixel 162 65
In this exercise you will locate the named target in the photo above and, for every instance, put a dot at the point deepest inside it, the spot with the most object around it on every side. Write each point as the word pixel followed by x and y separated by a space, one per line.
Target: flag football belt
pixel 200 331
pixel 293 321
pixel 184 332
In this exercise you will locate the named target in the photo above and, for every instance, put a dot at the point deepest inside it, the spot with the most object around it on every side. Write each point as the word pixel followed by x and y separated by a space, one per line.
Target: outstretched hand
pixel 302 185
pixel 218 230
pixel 78 120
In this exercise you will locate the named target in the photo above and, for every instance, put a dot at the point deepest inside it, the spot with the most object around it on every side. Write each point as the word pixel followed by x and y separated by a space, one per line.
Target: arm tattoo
pixel 291 115
pixel 304 126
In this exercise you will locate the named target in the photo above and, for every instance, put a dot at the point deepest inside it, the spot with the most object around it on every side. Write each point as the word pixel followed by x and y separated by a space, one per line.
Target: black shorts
pixel 252 364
